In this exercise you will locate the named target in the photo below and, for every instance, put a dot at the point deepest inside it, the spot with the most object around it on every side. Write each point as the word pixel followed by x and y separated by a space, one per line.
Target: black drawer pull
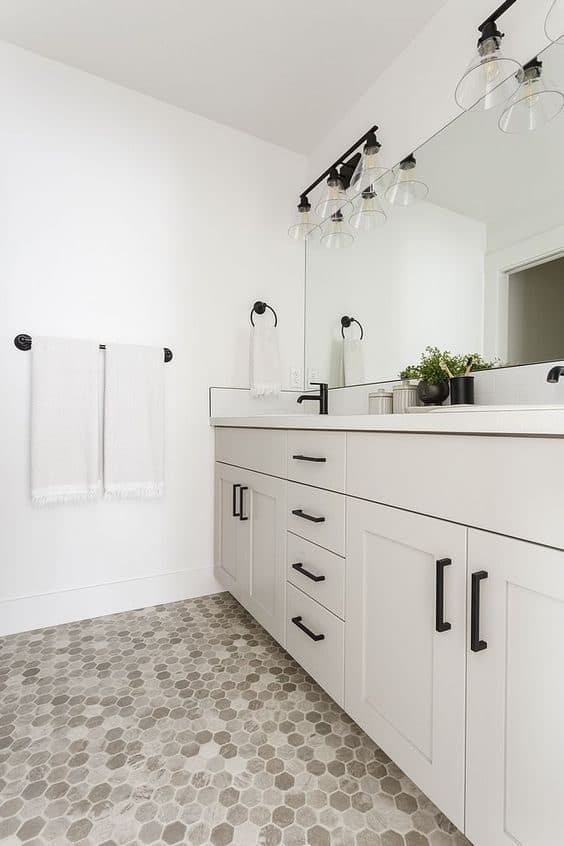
pixel 297 621
pixel 241 502
pixel 309 458
pixel 299 512
pixel 300 568
pixel 440 623
pixel 476 645
pixel 235 512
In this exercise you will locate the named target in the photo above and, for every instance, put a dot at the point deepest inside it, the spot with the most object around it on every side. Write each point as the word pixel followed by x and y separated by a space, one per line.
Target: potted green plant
pixel 433 388
pixel 440 371
pixel 460 379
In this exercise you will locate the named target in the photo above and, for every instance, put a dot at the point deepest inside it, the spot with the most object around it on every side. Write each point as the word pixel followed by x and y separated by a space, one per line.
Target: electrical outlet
pixel 296 378
pixel 313 375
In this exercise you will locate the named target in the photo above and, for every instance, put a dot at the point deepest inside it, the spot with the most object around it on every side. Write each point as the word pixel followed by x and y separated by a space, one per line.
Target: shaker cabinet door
pixel 515 780
pixel 230 532
pixel 405 644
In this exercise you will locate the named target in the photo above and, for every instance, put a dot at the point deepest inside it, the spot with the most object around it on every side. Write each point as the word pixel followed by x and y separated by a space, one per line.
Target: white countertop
pixel 483 420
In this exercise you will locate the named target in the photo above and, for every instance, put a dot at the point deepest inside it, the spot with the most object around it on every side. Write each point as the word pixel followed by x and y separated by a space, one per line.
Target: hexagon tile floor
pixel 187 723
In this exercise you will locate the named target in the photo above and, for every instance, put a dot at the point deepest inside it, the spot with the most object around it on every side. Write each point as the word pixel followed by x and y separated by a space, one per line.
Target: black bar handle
pixel 241 502
pixel 476 645
pixel 23 342
pixel 297 621
pixel 300 568
pixel 440 623
pixel 299 512
pixel 309 458
pixel 235 512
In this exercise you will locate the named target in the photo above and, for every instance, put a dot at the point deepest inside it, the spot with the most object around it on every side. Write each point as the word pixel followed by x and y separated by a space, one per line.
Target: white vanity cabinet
pixel 250 529
pixel 430 606
pixel 405 643
pixel 515 745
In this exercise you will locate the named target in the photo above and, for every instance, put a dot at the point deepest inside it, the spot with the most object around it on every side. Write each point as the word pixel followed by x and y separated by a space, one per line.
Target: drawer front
pixel 263 450
pixel 317 458
pixel 481 481
pixel 320 517
pixel 323 659
pixel 317 572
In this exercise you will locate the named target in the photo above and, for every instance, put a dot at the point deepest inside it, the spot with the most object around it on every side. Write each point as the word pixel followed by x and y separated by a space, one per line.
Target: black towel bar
pixel 23 342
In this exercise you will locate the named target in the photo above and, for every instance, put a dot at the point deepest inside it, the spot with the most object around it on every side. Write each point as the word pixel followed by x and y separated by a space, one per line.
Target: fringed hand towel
pixel 265 364
pixel 134 421
pixel 353 361
pixel 64 420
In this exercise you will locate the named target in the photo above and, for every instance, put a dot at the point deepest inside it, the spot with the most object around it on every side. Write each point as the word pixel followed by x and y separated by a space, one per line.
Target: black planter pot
pixel 462 390
pixel 432 394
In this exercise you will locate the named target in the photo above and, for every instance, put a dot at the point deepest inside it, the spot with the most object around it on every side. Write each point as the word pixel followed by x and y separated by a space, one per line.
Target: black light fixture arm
pixel 488 28
pixel 341 160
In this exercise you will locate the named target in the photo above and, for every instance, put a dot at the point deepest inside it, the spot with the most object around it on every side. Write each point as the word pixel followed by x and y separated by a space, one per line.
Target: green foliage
pixel 431 367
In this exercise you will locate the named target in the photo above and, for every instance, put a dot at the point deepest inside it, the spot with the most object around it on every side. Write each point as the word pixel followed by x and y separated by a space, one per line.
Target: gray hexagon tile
pixel 188 724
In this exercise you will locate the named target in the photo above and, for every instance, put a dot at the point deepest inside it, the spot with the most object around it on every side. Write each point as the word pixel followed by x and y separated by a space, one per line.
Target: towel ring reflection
pixel 260 308
pixel 347 321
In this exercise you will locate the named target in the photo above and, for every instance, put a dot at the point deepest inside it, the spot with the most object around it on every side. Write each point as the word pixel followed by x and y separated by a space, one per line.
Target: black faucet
pixel 555 373
pixel 322 397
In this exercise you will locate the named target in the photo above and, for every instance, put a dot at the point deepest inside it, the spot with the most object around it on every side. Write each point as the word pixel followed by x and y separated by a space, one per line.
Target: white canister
pixel 404 396
pixel 380 402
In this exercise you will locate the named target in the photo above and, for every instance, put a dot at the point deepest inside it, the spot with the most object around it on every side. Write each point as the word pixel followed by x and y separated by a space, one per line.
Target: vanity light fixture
pixel 334 197
pixel 304 225
pixel 369 214
pixel 534 103
pixel 369 168
pixel 336 236
pixel 554 22
pixel 406 189
pixel 334 200
pixel 490 77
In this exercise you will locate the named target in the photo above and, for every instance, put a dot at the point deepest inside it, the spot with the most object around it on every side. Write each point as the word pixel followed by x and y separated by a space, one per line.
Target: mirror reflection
pixel 460 247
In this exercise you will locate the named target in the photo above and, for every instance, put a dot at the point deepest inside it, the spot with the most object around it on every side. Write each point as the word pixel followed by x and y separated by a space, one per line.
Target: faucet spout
pixel 322 397
pixel 554 374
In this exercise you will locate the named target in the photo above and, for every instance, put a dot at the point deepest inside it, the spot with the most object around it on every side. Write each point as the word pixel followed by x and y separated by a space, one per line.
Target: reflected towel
pixel 64 420
pixel 353 361
pixel 134 421
pixel 264 363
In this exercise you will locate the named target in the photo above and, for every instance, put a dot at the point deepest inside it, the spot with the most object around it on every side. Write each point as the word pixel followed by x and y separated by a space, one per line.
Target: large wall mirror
pixel 478 266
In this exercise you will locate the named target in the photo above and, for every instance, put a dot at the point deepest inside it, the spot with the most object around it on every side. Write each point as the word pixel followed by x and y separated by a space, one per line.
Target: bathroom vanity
pixel 415 568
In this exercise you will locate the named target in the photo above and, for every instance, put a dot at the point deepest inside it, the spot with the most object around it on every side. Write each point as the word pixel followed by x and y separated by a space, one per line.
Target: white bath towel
pixel 265 364
pixel 134 421
pixel 353 361
pixel 65 464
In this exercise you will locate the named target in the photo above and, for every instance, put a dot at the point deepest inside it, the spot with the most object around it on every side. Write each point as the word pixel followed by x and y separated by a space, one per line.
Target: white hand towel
pixel 353 361
pixel 65 463
pixel 134 421
pixel 265 364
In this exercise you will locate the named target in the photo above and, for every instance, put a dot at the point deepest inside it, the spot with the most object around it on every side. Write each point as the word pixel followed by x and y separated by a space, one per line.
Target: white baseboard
pixel 24 613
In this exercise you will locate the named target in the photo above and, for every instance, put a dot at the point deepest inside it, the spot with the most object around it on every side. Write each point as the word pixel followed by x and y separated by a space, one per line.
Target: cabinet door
pixel 405 643
pixel 231 545
pixel 515 781
pixel 263 579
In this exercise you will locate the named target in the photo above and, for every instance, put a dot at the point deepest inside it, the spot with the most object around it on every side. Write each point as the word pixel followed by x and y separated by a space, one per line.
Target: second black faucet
pixel 322 397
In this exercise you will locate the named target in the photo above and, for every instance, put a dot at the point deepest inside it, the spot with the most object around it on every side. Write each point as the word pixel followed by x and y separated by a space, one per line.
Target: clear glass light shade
pixel 369 169
pixel 369 213
pixel 336 235
pixel 489 80
pixel 406 188
pixel 333 200
pixel 303 227
pixel 554 23
pixel 532 106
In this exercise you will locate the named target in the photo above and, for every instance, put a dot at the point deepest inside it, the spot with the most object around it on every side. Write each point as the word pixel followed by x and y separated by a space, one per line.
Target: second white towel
pixel 265 364
pixel 134 421
pixel 353 361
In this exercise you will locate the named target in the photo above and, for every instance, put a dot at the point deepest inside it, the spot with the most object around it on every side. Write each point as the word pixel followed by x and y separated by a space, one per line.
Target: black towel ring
pixel 346 322
pixel 260 308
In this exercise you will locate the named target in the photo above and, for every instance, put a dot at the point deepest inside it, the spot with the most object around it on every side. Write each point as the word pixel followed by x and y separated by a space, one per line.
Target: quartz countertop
pixel 535 420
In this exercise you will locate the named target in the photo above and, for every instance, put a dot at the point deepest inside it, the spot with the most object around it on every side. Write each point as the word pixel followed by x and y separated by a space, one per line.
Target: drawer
pixel 255 449
pixel 317 458
pixel 321 573
pixel 322 658
pixel 481 481
pixel 321 518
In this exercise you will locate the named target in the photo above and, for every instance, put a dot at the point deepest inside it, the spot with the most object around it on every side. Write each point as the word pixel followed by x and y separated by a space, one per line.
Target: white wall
pixel 417 280
pixel 125 219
